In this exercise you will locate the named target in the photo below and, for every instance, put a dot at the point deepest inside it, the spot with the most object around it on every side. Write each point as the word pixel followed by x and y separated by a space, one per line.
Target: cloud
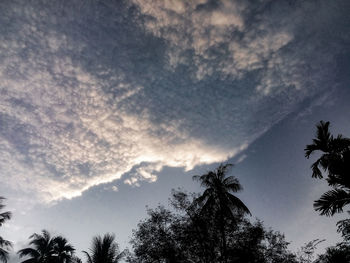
pixel 238 38
pixel 91 92
pixel 68 139
pixel 214 29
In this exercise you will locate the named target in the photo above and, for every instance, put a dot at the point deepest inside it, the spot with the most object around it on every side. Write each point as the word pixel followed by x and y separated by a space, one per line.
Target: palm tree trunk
pixel 223 237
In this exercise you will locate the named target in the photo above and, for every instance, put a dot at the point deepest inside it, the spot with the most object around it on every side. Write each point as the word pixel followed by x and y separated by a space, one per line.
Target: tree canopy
pixel 5 245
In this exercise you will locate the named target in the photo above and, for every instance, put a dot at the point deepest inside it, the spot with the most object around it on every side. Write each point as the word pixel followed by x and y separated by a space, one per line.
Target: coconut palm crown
pixel 104 250
pixel 47 249
pixel 218 191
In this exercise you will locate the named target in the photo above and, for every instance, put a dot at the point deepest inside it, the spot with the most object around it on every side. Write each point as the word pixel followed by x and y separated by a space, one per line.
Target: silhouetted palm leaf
pixel 63 250
pixel 322 141
pixel 3 255
pixel 104 250
pixel 335 160
pixel 31 252
pixel 42 250
pixel 235 203
pixel 332 202
pixel 46 249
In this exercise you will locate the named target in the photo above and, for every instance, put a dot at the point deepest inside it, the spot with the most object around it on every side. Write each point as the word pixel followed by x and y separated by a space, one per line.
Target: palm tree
pixel 218 199
pixel 43 251
pixel 47 249
pixel 335 159
pixel 104 250
pixel 4 244
pixel 63 250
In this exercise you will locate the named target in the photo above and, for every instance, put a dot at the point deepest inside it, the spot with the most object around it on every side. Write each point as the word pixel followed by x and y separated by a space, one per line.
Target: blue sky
pixel 107 105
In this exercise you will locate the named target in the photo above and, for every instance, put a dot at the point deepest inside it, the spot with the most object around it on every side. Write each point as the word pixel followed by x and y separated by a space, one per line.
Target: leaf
pixel 332 202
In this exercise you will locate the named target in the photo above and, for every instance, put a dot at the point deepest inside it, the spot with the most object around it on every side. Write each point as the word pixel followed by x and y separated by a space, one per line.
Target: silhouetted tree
pixel 104 250
pixel 307 252
pixel 42 250
pixel 155 240
pixel 63 251
pixel 197 232
pixel 218 199
pixel 275 248
pixel 189 234
pixel 47 249
pixel 334 160
pixel 5 245
pixel 336 254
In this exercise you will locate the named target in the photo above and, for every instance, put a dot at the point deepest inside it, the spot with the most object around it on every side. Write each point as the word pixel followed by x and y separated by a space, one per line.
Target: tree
pixel 337 254
pixel 334 160
pixel 186 234
pixel 104 250
pixel 63 250
pixel 155 240
pixel 306 252
pixel 196 234
pixel 42 250
pixel 47 249
pixel 275 248
pixel 5 245
pixel 218 199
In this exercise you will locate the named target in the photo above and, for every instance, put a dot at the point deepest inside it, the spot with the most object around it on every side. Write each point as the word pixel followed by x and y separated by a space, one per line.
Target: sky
pixel 105 106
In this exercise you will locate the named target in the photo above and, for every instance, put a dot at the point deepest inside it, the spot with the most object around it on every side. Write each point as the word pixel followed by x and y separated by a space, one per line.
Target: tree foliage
pixel 336 254
pixel 5 245
pixel 335 162
pixel 45 248
pixel 218 199
pixel 104 250
pixel 195 227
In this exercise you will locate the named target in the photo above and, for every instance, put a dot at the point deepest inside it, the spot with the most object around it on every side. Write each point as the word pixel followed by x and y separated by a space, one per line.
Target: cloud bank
pixel 94 90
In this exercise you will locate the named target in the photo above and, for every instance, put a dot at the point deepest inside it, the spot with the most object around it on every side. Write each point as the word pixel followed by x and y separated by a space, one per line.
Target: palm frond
pixel 4 217
pixel 232 184
pixel 310 148
pixel 323 133
pixel 344 228
pixel 237 203
pixel 103 249
pixel 332 202
pixel 316 172
pixel 222 170
pixel 28 252
pixel 323 139
pixel 89 259
pixel 4 255
pixel 340 144
pixel 5 243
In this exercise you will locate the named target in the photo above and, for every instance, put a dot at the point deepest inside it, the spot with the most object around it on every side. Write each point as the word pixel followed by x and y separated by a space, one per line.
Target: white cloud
pixel 202 29
pixel 85 99
pixel 237 38
pixel 63 135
